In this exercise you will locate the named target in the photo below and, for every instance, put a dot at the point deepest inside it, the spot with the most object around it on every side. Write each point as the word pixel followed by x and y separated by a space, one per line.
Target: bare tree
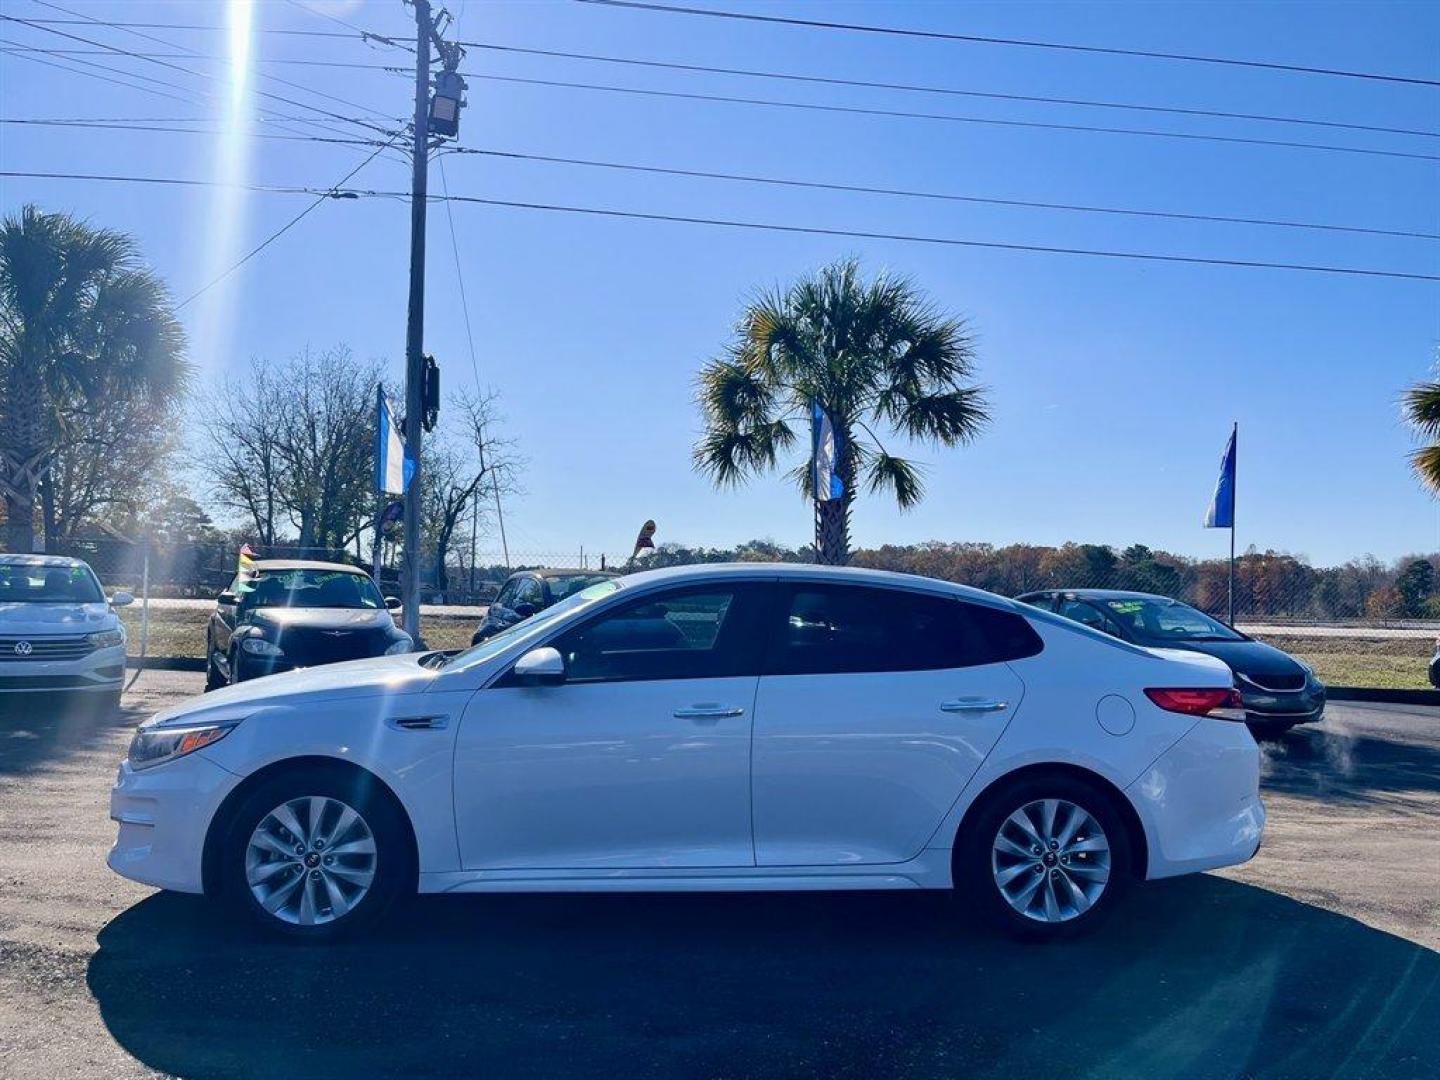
pixel 465 467
pixel 293 445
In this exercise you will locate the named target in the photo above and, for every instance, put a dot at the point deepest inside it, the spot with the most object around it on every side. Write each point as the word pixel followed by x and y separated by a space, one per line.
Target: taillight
pixel 1218 702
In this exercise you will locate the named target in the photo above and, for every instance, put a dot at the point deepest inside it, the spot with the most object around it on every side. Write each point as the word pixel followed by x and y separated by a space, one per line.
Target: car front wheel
pixel 316 854
pixel 1046 857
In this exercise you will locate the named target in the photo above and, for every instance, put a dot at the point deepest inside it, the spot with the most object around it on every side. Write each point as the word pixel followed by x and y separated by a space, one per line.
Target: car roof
pixel 1113 594
pixel 308 564
pixel 41 560
pixel 551 571
pixel 809 572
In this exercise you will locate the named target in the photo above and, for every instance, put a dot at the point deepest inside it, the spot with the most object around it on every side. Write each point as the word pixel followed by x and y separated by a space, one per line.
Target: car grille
pixel 71 647
pixel 1276 683
pixel 311 645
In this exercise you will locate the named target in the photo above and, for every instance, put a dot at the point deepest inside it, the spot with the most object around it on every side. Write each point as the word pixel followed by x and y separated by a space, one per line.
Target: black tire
pixel 214 679
pixel 393 859
pixel 975 865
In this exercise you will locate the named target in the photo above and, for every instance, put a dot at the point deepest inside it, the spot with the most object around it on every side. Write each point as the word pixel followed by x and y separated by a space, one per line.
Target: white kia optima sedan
pixel 722 727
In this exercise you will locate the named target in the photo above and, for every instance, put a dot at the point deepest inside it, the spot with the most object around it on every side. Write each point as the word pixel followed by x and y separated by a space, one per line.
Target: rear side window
pixel 834 629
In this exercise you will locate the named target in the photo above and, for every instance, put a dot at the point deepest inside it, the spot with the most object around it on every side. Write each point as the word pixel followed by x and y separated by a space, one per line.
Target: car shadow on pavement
pixel 36 729
pixel 1197 977
pixel 1335 764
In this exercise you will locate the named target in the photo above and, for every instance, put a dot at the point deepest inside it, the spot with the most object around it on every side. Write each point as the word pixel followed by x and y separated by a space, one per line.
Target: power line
pixel 337 191
pixel 943 196
pixel 954 118
pixel 74 70
pixel 1228 61
pixel 948 241
pixel 284 228
pixel 275 30
pixel 194 74
pixel 156 128
pixel 989 95
pixel 365 35
pixel 950 91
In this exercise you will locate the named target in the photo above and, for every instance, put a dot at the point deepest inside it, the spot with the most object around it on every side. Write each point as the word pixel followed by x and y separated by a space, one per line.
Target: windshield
pixel 493 646
pixel 39 584
pixel 561 587
pixel 1163 622
pixel 308 588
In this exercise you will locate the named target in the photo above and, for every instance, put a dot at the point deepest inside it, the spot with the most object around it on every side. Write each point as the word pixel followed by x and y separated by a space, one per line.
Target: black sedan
pixel 528 591
pixel 1278 690
pixel 289 614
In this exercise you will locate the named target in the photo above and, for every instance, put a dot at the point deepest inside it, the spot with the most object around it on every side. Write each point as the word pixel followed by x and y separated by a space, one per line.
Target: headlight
pixel 152 746
pixel 260 647
pixel 105 639
pixel 400 645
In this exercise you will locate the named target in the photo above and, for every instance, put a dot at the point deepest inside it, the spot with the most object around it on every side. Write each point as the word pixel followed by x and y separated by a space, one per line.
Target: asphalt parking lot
pixel 1316 959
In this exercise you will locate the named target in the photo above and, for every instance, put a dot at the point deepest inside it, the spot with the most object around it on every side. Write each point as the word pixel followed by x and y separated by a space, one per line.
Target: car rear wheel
pixel 1045 857
pixel 316 854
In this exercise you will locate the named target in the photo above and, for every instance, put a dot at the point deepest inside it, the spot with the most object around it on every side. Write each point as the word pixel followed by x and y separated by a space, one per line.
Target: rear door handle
pixel 708 712
pixel 974 705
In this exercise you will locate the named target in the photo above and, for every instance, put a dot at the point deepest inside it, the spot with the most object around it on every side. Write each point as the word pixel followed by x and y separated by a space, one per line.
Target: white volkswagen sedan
pixel 721 727
pixel 58 632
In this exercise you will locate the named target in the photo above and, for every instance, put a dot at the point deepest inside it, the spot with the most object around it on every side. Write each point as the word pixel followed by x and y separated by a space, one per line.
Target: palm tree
pixel 82 324
pixel 877 356
pixel 1421 406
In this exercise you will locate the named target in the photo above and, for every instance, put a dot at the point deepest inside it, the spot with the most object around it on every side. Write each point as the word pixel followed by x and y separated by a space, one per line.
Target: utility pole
pixel 415 324
pixel 442 118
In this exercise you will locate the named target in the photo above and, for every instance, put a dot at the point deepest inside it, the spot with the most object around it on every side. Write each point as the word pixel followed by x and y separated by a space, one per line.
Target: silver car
pixel 58 632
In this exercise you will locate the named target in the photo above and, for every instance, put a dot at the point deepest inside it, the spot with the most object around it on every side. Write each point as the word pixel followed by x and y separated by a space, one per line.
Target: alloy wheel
pixel 1051 860
pixel 310 860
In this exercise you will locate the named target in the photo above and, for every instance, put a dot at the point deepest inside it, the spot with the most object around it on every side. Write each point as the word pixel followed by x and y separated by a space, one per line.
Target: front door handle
pixel 708 712
pixel 974 705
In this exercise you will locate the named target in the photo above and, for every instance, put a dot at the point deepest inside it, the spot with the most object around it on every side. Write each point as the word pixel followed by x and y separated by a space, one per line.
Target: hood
pixel 376 676
pixel 42 619
pixel 329 618
pixel 1248 657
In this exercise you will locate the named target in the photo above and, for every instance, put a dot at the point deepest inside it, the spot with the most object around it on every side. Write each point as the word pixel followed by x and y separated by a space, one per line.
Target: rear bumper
pixel 1199 803
pixel 103 669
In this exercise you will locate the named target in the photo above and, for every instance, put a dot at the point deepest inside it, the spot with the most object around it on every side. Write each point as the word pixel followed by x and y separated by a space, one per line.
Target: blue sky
pixel 1113 383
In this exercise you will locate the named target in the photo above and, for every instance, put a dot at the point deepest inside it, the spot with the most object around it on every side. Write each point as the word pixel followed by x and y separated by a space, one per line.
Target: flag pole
pixel 1234 485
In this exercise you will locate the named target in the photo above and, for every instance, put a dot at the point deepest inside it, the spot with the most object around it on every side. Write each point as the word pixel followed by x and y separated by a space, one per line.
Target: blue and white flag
pixel 393 467
pixel 1221 514
pixel 826 447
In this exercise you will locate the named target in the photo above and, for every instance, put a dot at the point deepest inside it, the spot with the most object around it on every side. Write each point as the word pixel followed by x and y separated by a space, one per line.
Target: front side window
pixel 689 634
pixel 835 629
pixel 308 589
pixel 34 583
pixel 535 625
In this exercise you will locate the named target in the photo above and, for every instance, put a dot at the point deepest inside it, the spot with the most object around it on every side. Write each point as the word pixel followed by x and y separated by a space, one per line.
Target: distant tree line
pixel 1268 584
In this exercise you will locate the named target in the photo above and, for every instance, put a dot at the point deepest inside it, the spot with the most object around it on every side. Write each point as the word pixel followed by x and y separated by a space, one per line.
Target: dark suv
pixel 291 614
pixel 528 591
pixel 1278 690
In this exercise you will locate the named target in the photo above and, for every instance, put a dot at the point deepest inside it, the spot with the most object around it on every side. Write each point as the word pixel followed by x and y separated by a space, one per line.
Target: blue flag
pixel 393 467
pixel 826 447
pixel 1222 506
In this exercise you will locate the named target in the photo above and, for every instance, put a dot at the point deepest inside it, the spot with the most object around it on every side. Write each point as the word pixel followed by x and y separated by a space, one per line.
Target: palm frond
pixel 885 472
pixel 1426 463
pixel 951 417
pixel 1421 405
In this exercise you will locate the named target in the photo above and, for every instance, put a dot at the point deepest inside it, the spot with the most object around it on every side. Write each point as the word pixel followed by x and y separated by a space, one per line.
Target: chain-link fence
pixel 1364 623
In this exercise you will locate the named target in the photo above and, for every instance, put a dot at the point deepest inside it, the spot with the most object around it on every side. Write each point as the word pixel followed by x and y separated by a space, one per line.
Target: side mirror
pixel 540 667
pixel 393 603
pixel 227 599
pixel 121 599
pixel 524 610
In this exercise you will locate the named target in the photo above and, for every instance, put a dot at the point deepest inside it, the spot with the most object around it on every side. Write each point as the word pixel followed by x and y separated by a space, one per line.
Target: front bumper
pixel 1305 706
pixel 164 813
pixel 103 669
pixel 1199 803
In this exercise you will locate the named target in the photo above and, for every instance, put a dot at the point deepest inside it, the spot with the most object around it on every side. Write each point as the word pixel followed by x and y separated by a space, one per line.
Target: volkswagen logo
pixel 23 648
